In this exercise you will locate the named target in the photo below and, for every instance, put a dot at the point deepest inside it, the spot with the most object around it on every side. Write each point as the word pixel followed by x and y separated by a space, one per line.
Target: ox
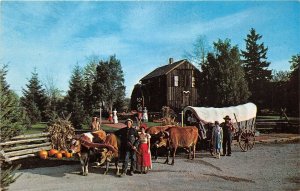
pixel 154 131
pixel 109 155
pixel 84 147
pixel 175 137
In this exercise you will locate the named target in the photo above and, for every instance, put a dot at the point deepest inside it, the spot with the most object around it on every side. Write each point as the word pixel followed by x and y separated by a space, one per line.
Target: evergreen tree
pixel 89 71
pixel 256 68
pixel 222 77
pixel 12 123
pixel 75 98
pixel 116 88
pixel 293 86
pixel 12 116
pixel 99 86
pixel 89 74
pixel 108 86
pixel 88 99
pixel 35 99
pixel 278 90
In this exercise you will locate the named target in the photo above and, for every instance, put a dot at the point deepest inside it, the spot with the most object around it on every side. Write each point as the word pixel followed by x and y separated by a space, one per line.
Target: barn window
pixel 193 82
pixel 176 80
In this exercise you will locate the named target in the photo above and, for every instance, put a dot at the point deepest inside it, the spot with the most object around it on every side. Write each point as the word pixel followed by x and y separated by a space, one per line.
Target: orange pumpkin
pixel 43 154
pixel 63 152
pixel 68 155
pixel 52 152
pixel 58 155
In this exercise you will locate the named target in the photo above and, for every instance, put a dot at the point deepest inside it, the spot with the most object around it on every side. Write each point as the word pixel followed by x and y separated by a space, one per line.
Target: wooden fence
pixel 281 126
pixel 24 146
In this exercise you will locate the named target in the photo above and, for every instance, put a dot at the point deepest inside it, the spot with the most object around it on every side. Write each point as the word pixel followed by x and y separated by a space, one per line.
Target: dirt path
pixel 267 167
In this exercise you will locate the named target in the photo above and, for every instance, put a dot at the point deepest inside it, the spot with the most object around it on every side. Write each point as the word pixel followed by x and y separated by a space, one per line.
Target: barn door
pixel 186 98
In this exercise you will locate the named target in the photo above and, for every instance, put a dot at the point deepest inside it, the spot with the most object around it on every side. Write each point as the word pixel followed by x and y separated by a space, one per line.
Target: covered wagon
pixel 242 116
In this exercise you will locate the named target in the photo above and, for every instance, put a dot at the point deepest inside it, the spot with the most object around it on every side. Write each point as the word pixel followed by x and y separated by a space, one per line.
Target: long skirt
pixel 143 157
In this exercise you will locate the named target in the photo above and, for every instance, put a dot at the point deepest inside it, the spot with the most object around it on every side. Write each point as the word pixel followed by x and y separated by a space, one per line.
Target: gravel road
pixel 266 167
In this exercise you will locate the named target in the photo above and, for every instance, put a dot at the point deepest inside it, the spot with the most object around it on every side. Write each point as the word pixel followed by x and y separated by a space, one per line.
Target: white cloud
pixel 53 36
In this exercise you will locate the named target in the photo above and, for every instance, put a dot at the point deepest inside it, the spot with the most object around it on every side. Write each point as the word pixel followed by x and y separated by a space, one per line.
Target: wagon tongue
pixel 89 145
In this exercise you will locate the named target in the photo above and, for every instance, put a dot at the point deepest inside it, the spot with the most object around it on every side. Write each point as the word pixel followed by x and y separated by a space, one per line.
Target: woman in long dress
pixel 144 162
pixel 217 137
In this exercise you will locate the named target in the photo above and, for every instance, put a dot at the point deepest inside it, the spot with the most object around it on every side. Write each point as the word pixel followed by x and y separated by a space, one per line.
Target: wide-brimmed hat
pixel 128 120
pixel 226 117
pixel 143 126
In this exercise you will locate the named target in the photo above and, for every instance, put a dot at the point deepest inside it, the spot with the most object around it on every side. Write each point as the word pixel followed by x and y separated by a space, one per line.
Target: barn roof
pixel 163 69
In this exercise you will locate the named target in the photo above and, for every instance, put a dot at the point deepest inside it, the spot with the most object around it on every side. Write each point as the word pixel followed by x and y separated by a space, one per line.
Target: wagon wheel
pixel 246 140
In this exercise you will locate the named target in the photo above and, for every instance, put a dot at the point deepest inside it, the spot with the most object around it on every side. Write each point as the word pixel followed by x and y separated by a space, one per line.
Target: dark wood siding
pixel 156 90
pixel 160 91
pixel 177 99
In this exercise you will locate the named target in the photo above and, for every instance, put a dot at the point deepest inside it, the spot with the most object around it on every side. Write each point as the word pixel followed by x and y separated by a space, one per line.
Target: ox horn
pixel 166 134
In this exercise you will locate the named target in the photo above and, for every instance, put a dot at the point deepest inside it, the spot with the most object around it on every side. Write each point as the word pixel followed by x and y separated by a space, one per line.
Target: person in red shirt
pixel 144 156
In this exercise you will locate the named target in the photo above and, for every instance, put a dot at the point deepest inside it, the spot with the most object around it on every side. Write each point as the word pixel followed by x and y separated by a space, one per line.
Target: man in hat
pixel 228 129
pixel 129 141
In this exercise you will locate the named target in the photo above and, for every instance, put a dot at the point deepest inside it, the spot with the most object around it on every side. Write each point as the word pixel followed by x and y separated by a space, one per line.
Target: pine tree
pixel 75 98
pixel 11 115
pixel 99 86
pixel 88 99
pixel 89 74
pixel 293 86
pixel 35 99
pixel 108 86
pixel 256 67
pixel 222 77
pixel 12 124
pixel 116 86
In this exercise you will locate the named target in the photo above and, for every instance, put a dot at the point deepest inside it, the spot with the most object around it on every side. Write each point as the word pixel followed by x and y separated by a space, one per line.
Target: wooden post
pixel 100 119
pixel 181 118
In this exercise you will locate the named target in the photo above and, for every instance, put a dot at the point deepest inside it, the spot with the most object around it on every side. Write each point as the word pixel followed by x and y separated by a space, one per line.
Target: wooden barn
pixel 172 85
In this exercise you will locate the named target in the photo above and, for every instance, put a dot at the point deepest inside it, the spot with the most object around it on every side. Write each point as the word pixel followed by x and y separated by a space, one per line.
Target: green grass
pixel 151 124
pixel 40 127
pixel 36 128
pixel 104 127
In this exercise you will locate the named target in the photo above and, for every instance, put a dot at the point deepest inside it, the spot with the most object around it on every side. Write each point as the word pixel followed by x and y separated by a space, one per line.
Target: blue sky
pixel 53 36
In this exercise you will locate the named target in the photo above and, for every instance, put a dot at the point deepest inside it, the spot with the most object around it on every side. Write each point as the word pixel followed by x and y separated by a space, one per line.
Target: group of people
pixel 135 143
pixel 221 137
pixel 135 147
pixel 142 114
pixel 112 117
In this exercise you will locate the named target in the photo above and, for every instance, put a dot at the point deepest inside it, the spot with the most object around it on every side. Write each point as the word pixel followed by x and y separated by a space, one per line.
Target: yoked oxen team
pixel 131 145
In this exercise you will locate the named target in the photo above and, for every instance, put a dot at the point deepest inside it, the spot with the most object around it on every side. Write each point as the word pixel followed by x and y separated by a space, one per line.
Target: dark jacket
pixel 227 129
pixel 128 137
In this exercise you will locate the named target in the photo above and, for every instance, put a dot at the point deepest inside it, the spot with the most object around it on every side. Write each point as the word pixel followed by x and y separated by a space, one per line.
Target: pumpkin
pixel 68 155
pixel 63 152
pixel 43 154
pixel 52 152
pixel 58 155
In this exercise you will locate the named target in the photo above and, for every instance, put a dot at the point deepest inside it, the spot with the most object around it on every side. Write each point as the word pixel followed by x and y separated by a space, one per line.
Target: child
pixel 217 137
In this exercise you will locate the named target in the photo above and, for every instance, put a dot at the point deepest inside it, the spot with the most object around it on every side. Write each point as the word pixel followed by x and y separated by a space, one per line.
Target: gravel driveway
pixel 266 167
